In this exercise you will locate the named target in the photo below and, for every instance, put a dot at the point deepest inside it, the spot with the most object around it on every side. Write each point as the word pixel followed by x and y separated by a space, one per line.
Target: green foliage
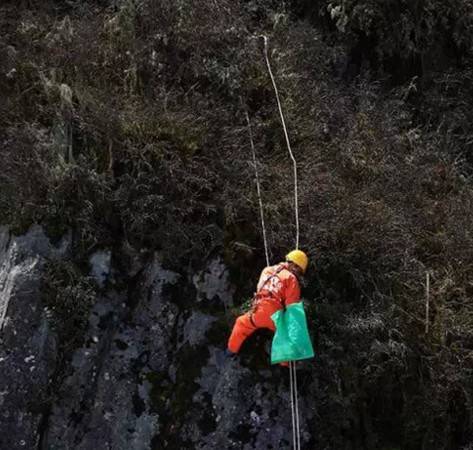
pixel 404 28
pixel 68 297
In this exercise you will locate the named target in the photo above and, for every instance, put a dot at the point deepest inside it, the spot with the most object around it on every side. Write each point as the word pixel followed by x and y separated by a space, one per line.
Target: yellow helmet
pixel 299 258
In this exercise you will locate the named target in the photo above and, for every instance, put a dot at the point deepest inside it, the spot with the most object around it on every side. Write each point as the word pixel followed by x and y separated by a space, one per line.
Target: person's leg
pixel 263 319
pixel 242 329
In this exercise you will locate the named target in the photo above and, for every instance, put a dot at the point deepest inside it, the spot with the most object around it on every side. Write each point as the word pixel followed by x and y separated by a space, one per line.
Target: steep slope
pixel 122 128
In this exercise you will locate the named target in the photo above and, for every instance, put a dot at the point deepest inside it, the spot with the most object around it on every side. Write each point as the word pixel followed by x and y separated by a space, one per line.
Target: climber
pixel 278 287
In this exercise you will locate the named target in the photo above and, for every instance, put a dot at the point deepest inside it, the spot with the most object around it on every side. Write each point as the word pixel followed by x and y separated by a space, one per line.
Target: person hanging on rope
pixel 278 287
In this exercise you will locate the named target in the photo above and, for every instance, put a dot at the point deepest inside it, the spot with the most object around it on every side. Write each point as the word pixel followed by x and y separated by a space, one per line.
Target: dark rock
pixel 213 284
pixel 27 345
pixel 105 402
pixel 146 376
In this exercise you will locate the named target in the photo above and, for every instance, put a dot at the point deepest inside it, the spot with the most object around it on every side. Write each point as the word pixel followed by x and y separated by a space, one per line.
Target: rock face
pixel 106 401
pixel 100 266
pixel 146 376
pixel 212 284
pixel 27 346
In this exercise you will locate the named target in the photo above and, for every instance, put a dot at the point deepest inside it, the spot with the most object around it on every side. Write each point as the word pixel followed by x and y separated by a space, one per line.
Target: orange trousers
pixel 244 327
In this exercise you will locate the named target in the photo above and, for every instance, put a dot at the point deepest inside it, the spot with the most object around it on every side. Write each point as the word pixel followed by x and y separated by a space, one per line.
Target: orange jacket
pixel 277 287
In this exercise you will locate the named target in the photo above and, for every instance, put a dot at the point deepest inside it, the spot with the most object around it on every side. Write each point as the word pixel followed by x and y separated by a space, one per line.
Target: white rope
pixel 427 301
pixel 296 401
pixel 293 406
pixel 296 438
pixel 292 365
pixel 258 189
pixel 294 162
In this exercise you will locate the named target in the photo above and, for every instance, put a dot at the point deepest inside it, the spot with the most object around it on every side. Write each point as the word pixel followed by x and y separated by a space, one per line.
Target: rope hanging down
pixel 292 364
pixel 293 407
pixel 294 162
pixel 296 438
pixel 292 367
pixel 258 189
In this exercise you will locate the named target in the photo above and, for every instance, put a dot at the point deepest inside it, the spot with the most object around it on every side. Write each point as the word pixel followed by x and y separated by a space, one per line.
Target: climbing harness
pixel 292 364
pixel 256 300
pixel 256 297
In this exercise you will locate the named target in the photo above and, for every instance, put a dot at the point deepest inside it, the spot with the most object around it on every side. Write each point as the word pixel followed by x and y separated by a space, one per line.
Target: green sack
pixel 291 340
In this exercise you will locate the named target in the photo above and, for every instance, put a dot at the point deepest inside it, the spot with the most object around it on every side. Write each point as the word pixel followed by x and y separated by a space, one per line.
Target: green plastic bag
pixel 291 340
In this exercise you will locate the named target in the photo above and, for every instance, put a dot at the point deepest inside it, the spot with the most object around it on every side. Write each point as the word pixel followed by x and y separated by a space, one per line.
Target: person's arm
pixel 293 291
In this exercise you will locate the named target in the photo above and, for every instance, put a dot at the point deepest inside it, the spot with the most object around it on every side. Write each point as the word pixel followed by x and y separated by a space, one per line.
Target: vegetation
pixel 68 297
pixel 124 121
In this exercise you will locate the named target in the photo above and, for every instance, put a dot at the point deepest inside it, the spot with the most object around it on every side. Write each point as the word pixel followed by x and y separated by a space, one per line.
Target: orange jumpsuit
pixel 277 287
